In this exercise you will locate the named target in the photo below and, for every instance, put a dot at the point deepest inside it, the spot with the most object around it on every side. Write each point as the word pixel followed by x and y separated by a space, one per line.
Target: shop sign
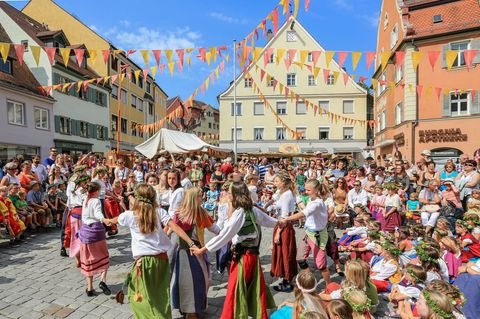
pixel 399 139
pixel 442 135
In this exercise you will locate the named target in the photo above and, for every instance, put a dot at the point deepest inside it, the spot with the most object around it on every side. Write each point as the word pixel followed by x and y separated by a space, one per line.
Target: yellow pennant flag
pixel 335 76
pixel 227 57
pixel 146 55
pixel 65 86
pixel 450 57
pixel 374 83
pixel 79 86
pixel 216 72
pixel 385 56
pixel 122 76
pixel 428 91
pixel 416 57
pixel 316 71
pixel 115 52
pixel 36 53
pixel 168 54
pixel 207 83
pixel 446 91
pixel 4 50
pixel 292 96
pixel 410 88
pixel 391 85
pixel 257 53
pixel 213 53
pixel 279 56
pixel 295 10
pixel 303 56
pixel 355 58
pixel 208 57
pixel 328 57
pixel 93 55
pixel 137 75
pixel 280 86
pixel 105 80
pixel 171 66
pixel 65 53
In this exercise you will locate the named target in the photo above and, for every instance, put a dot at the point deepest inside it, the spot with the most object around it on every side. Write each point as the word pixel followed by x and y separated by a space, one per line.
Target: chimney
pixel 269 35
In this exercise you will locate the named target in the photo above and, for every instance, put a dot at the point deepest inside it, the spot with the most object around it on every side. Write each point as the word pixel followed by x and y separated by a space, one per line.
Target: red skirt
pixel 366 256
pixel 94 258
pixel 112 210
pixel 284 254
pixel 389 223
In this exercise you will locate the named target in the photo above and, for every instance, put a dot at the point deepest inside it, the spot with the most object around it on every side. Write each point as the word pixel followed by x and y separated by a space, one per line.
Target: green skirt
pixel 149 288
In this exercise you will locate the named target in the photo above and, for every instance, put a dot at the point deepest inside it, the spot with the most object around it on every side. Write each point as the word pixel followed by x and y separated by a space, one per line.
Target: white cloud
pixel 93 27
pixel 145 38
pixel 371 19
pixel 344 4
pixel 224 18
pixel 125 23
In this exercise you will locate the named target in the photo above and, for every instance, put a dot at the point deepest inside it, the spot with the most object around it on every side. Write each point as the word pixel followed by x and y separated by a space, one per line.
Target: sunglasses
pixel 356 185
pixel 468 164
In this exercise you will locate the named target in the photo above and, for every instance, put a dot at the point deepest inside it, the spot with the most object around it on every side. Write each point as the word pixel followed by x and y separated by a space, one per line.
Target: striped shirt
pixel 262 169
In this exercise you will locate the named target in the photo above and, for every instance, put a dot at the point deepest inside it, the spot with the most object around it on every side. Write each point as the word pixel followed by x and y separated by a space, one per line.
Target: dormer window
pixel 438 18
pixel 25 45
pixel 6 67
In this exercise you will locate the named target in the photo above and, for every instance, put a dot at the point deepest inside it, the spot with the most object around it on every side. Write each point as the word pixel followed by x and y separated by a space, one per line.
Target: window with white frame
pixel 301 108
pixel 281 108
pixel 239 133
pixel 323 133
pixel 331 80
pixel 258 108
pixel 239 109
pixel 394 36
pixel 379 122
pixel 301 133
pixel 382 85
pixel 83 129
pixel 460 47
pixel 310 57
pixel 398 113
pixel 100 132
pixel 281 133
pixel 398 73
pixel 311 80
pixel 459 104
pixel 148 87
pixel 325 105
pixel 385 21
pixel 348 107
pixel 65 125
pixel 291 36
pixel 258 133
pixel 348 133
pixel 134 128
pixel 248 82
pixel 271 81
pixel 291 79
pixel 41 118
pixel 16 113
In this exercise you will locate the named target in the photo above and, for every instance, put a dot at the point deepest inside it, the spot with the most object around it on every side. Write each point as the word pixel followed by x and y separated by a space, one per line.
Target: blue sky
pixel 339 25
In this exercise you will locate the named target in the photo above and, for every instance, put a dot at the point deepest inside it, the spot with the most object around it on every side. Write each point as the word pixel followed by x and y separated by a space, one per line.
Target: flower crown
pixel 357 307
pixel 143 199
pixel 391 248
pixel 412 274
pixel 464 224
pixel 391 186
pixel 433 305
pixel 100 169
pixel 81 179
pixel 423 255
pixel 305 290
pixel 79 168
pixel 471 218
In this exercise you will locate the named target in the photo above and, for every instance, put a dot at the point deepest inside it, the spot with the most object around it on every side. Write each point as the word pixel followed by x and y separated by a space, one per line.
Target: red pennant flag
pixel 79 55
pixel 180 66
pixel 275 82
pixel 342 56
pixel 287 91
pixel 399 58
pixel 307 4
pixel 370 56
pixel 162 67
pixel 98 80
pixel 419 90
pixel 222 66
pixel 114 78
pixel 345 78
pixel 469 56
pixel 202 53
pixel 439 92
pixel 291 55
pixel 309 67
pixel 274 16
pixel 202 88
pixel 212 77
pixel 145 73
pixel 315 56
pixel 106 54
pixel 288 63
pixel 402 85
pixel 51 54
pixel 433 57
pixel 129 76
pixel 266 56
pixel 326 74
pixel 362 79
pixel 181 55
pixel 85 86
pixel 130 52
pixel 262 75
pixel 19 50
pixel 157 54
pixel 72 84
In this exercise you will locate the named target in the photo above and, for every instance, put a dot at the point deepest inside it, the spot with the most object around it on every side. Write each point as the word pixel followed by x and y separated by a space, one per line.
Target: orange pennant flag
pixel 355 58
pixel 328 57
pixel 374 83
pixel 279 55
pixel 137 75
pixel 171 67
pixel 208 57
pixel 416 57
pixel 385 56
pixel 256 53
pixel 93 54
pixel 153 70
pixel 303 56
pixel 450 57
pixel 169 55
pixel 316 71
pixel 35 53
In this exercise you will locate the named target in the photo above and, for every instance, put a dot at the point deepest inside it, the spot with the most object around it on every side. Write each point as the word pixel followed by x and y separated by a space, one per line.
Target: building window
pixel 459 104
pixel 348 133
pixel 437 18
pixel 325 105
pixel 140 82
pixel 100 98
pixel 134 128
pixel 239 109
pixel 398 73
pixel 41 118
pixel 100 132
pixel 83 129
pixel 301 133
pixel 460 47
pixel 133 101
pixel 16 113
pixel 239 134
pixel 140 104
pixel 258 108
pixel 348 107
pixel 149 87
pixel 258 133
pixel 331 80
pixel 124 96
pixel 301 108
pixel 281 133
pixel 394 36
pixel 291 36
pixel 25 45
pixel 291 79
pixel 398 113
pixel 248 82
pixel 6 67
pixel 150 108
pixel 382 83
pixel 114 91
pixel 310 57
pixel 114 123
pixel 271 81
pixel 132 77
pixel 114 64
pixel 385 21
pixel 65 125
pixel 311 80
pixel 210 125
pixel 379 123
pixel 323 133
pixel 282 108
pixel 271 59
pixel 123 126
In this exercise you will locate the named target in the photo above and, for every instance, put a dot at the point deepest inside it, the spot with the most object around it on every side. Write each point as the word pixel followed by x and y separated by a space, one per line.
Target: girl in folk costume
pixel 284 264
pixel 432 304
pixel 94 257
pixel 316 218
pixel 191 274
pixel 149 280
pixel 98 177
pixel 359 302
pixel 410 288
pixel 451 254
pixel 8 215
pixel 378 203
pixel 306 299
pixel 225 209
pixel 429 256
pixel 247 294
pixel 391 216
pixel 384 267
pixel 470 245
pixel 114 204
pixel 405 244
pixel 340 309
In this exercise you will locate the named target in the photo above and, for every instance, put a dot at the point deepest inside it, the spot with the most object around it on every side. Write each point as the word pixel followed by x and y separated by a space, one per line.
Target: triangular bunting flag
pixel 439 92
pixel 4 50
pixel 145 74
pixel 288 63
pixel 262 75
pixel 153 70
pixel 399 58
pixel 280 54
pixel 65 53
pixel 207 83
pixel 336 74
pixel 469 56
pixel 157 54
pixel 433 57
pixel 342 56
pixel 303 56
pixel 274 16
pixel 50 53
pixel 315 57
pixel 35 53
pixel 419 90
pixel 146 56
pixel 345 78
pixel 328 57
pixel 374 83
pixel 79 53
pixel 266 56
pixel 450 57
pixel 315 72
pixel 181 55
pixel 326 74
pixel 105 54
pixel 416 57
pixel 137 75
pixel 256 54
pixel 291 55
pixel 370 56
pixel 19 50
pixel 169 55
pixel 385 56
pixel 355 58
pixel 93 54
pixel 213 53
pixel 171 67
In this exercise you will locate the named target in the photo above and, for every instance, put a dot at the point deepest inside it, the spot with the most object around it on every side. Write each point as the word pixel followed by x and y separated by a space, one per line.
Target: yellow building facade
pixel 141 102
pixel 257 127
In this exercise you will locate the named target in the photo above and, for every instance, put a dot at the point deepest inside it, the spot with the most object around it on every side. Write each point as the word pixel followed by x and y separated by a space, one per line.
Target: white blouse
pixel 75 197
pixel 174 200
pixel 92 211
pixel 383 269
pixel 316 215
pixel 285 204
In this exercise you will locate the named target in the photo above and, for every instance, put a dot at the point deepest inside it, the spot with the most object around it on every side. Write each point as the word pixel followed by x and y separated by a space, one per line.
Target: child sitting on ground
pixel 358 231
pixel 473 203
pixel 409 288
pixel 359 302
pixel 9 217
pixel 451 254
pixel 18 199
pixel 405 244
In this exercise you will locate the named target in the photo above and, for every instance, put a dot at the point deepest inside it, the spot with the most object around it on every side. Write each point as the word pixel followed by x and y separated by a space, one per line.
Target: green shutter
pixel 92 130
pixel 446 105
pixel 75 127
pixel 104 99
pixel 56 119
pixel 105 133
pixel 56 78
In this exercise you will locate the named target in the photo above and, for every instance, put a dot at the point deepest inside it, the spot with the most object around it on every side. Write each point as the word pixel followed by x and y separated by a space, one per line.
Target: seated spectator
pixel 38 205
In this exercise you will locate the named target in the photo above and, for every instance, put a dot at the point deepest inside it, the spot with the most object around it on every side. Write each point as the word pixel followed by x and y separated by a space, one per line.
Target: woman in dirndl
pixel 94 257
pixel 191 274
pixel 149 280
pixel 391 215
pixel 247 293
pixel 284 252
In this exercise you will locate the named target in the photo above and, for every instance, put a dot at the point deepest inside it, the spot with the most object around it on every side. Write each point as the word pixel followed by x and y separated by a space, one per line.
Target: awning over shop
pixel 314 150
pixel 249 150
pixel 347 150
pixel 384 143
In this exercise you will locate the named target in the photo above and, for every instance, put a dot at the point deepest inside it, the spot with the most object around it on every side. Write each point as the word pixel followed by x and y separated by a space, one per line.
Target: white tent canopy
pixel 175 142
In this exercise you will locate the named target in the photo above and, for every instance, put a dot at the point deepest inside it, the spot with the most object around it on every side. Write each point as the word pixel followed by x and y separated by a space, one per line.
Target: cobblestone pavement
pixel 35 282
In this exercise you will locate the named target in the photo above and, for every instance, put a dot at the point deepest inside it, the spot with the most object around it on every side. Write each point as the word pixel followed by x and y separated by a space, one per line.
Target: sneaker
pixel 104 288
